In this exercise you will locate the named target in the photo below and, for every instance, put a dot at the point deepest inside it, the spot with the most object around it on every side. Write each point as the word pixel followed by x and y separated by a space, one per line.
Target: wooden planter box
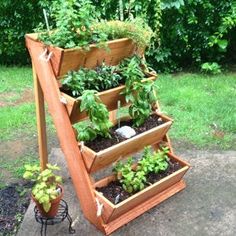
pixel 111 212
pixel 64 60
pixel 109 97
pixel 98 160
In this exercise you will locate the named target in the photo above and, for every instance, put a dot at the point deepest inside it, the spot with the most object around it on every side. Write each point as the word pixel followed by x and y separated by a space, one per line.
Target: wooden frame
pixel 46 87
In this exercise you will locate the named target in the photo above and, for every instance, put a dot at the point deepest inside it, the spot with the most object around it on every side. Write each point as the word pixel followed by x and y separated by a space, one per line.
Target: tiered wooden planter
pixel 112 212
pixel 81 160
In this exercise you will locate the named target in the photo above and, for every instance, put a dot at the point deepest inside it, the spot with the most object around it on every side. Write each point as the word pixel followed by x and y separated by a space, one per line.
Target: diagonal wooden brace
pixel 57 109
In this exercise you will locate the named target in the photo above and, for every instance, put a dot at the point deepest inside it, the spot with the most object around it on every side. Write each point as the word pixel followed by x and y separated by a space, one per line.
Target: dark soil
pixel 113 189
pixel 14 201
pixel 101 143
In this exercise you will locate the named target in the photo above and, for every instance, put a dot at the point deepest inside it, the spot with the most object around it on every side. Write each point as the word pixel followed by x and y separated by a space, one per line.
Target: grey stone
pixel 126 132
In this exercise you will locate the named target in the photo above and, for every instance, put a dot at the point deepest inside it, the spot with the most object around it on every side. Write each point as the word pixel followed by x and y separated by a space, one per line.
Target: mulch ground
pixel 14 201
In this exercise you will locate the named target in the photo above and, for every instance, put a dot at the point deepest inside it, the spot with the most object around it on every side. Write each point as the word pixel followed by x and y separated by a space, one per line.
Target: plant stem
pixel 121 10
pixel 46 20
pixel 118 113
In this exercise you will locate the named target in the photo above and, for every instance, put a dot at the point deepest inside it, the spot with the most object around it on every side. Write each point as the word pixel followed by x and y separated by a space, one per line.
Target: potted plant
pixel 132 185
pixel 47 190
pixel 79 40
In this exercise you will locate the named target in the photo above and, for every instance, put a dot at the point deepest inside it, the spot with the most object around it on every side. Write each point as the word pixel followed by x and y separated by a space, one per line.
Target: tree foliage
pixel 186 32
pixel 16 19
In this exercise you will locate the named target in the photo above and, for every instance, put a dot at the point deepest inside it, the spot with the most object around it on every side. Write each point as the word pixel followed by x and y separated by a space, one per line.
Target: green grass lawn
pixel 204 110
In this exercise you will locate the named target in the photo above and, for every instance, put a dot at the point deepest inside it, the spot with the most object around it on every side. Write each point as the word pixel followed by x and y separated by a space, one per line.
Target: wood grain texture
pixel 140 197
pixel 41 122
pixel 64 60
pixel 142 208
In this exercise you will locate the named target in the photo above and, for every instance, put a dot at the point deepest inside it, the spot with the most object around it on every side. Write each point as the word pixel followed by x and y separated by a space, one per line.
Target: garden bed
pixel 154 133
pixel 114 188
pixel 112 211
pixel 101 143
pixel 109 97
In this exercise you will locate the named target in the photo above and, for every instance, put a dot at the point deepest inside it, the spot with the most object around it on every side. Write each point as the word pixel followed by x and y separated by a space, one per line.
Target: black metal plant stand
pixel 62 214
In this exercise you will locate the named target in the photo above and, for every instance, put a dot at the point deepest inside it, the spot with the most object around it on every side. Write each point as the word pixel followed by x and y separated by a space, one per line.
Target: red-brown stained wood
pixel 48 73
pixel 111 211
pixel 64 60
pixel 145 206
pixel 98 160
pixel 79 175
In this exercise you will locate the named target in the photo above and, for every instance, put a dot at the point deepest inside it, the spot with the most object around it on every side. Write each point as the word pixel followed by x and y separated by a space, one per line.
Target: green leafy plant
pixel 135 29
pixel 132 177
pixel 105 77
pixel 46 187
pixel 153 162
pixel 73 20
pixel 98 116
pixel 101 78
pixel 76 27
pixel 143 96
pixel 211 68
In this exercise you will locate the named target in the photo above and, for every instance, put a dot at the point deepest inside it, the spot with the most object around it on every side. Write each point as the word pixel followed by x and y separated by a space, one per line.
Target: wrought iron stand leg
pixel 71 230
pixel 45 229
pixel 41 230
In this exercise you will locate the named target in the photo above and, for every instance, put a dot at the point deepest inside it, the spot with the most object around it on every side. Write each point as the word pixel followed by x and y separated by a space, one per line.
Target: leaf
pixel 222 43
pixel 46 206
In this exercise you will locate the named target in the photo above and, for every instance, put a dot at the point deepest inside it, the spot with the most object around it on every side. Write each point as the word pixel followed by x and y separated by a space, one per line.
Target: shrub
pixel 17 19
pixel 191 32
pixel 211 68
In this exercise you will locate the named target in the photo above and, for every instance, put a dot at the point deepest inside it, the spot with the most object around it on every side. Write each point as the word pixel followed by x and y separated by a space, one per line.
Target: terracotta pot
pixel 64 60
pixel 98 160
pixel 109 97
pixel 54 205
pixel 111 211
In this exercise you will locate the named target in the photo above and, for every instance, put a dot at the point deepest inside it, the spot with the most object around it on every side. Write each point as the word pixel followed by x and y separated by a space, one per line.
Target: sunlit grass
pixel 204 108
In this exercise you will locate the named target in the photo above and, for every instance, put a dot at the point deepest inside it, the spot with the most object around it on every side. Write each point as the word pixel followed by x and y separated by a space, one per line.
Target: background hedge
pixel 192 31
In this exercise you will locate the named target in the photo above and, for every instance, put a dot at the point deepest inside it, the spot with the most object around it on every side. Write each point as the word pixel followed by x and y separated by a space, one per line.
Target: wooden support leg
pixel 41 122
pixel 166 137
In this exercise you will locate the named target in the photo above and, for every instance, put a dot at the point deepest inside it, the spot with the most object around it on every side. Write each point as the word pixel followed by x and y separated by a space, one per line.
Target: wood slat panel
pixel 145 206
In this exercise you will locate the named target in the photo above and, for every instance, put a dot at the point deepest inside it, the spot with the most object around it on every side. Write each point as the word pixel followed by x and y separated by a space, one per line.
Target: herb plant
pixel 76 26
pixel 98 115
pixel 140 93
pixel 46 183
pixel 134 178
pixel 143 96
pixel 74 20
pixel 101 78
pixel 135 29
